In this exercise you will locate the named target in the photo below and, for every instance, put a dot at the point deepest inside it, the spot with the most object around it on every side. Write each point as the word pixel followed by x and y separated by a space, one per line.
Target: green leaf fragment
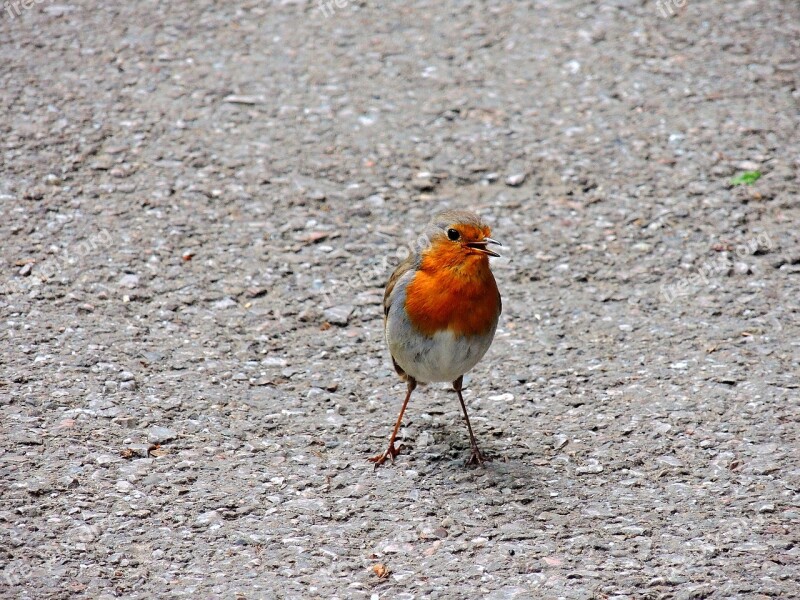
pixel 746 178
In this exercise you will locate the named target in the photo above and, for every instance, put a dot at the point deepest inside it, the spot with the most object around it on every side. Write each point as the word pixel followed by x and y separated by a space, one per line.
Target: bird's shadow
pixel 451 450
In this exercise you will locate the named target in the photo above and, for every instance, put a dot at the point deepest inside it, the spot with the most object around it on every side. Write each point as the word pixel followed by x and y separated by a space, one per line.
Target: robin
pixel 441 307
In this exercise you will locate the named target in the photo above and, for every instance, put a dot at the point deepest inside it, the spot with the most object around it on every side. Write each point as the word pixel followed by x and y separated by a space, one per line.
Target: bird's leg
pixel 477 458
pixel 391 451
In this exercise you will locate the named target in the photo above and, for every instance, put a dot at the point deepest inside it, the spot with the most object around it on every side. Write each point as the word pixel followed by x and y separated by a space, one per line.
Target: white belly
pixel 443 357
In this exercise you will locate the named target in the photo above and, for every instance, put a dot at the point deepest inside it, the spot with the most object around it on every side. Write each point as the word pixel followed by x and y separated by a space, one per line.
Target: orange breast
pixel 464 300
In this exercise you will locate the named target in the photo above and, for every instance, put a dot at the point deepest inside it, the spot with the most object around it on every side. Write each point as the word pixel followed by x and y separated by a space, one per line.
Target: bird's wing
pixel 403 268
pixel 408 265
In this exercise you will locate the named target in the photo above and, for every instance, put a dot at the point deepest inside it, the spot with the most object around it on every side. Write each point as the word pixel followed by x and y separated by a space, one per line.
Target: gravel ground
pixel 202 202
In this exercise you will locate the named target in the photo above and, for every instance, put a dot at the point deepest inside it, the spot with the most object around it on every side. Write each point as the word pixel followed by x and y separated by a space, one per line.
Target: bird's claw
pixel 391 452
pixel 477 459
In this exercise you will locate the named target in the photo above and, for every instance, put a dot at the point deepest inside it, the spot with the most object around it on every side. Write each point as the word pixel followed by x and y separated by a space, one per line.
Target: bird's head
pixel 458 239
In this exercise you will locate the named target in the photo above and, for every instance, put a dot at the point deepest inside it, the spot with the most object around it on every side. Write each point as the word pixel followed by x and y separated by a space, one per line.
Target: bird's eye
pixel 453 235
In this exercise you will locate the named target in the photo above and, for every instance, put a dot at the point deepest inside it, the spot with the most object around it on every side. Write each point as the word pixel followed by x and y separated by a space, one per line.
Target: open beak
pixel 481 246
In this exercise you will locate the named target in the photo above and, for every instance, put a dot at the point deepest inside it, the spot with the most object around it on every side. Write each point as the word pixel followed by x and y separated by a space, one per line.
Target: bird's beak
pixel 481 246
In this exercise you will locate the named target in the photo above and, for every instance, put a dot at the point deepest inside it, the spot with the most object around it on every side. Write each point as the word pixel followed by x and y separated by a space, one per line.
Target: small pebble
pixel 338 315
pixel 124 486
pixel 129 281
pixel 160 435
pixel 516 179
pixel 224 303
pixel 590 469
pixel 140 450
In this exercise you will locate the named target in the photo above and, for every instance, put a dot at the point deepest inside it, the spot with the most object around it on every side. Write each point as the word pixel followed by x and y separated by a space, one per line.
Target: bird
pixel 441 307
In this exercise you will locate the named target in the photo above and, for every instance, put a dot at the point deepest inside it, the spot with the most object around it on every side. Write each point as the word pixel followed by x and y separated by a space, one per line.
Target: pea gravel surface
pixel 202 202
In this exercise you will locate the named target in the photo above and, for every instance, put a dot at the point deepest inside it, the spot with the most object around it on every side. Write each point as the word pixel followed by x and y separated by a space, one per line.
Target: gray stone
pixel 338 315
pixel 160 435
pixel 129 280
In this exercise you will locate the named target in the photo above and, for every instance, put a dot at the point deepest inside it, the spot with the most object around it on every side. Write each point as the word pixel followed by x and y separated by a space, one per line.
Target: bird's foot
pixel 391 452
pixel 477 458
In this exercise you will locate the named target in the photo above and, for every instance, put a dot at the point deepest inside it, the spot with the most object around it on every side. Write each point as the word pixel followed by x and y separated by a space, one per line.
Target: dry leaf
pixel 381 570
